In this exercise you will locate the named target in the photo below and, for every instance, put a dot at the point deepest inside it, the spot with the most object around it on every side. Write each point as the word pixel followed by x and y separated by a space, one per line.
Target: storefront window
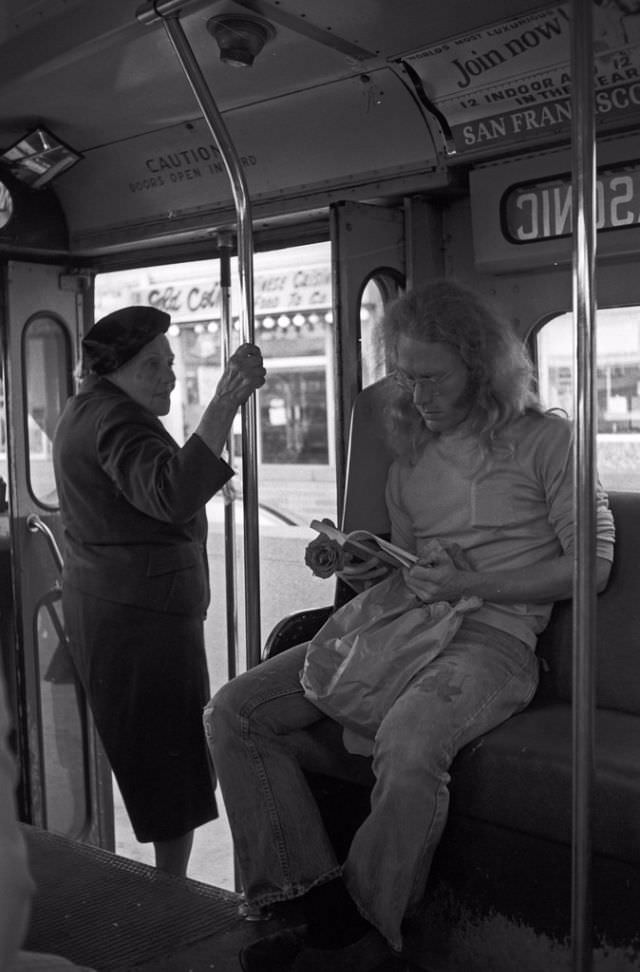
pixel 293 417
pixel 617 384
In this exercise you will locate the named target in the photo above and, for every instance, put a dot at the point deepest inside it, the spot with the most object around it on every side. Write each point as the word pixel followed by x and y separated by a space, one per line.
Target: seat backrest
pixel 368 461
pixel 618 624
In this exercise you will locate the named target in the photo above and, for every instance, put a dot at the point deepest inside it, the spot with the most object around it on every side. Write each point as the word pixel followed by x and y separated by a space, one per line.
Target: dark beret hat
pixel 116 338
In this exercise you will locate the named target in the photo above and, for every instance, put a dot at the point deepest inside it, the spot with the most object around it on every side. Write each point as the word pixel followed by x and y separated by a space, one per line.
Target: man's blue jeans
pixel 253 726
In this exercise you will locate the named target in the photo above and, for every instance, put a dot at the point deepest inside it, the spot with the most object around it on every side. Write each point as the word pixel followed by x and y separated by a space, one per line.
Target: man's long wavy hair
pixel 500 370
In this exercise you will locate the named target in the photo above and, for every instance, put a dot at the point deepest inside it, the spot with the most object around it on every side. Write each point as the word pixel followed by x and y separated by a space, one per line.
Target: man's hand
pixel 360 574
pixel 439 575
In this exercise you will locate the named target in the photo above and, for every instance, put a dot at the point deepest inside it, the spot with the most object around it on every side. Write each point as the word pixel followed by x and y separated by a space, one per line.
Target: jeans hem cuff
pixel 294 891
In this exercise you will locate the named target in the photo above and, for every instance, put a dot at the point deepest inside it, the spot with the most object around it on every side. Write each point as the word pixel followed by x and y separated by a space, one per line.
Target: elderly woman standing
pixel 481 467
pixel 135 581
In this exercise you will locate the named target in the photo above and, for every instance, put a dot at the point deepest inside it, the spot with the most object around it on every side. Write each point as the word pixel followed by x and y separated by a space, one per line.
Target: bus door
pixel 65 784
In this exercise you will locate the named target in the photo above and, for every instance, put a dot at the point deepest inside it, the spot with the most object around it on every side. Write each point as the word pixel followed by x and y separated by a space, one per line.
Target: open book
pixel 365 544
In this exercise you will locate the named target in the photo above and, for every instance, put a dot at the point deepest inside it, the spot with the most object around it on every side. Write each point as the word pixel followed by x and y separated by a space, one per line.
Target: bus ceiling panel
pixel 358 30
pixel 521 209
pixel 491 77
pixel 378 28
pixel 303 148
pixel 126 79
pixel 94 74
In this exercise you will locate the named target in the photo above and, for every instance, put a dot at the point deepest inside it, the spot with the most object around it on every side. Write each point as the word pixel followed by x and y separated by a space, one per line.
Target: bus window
pixel 379 290
pixel 618 387
pixel 46 362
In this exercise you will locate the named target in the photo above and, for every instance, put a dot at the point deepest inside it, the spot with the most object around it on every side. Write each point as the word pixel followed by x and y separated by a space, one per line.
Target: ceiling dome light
pixel 240 39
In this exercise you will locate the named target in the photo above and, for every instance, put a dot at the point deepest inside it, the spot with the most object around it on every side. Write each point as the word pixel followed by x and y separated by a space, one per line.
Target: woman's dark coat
pixel 135 592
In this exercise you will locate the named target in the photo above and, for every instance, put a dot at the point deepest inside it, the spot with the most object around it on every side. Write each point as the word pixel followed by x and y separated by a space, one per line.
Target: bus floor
pixel 113 914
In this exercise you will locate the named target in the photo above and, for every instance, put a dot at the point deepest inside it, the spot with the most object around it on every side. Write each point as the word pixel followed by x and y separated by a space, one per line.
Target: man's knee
pixel 221 712
pixel 256 697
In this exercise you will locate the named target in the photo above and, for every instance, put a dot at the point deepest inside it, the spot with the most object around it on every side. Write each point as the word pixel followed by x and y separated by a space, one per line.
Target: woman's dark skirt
pixel 146 679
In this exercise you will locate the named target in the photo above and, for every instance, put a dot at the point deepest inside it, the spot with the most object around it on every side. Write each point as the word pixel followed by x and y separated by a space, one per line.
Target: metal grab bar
pixel 584 588
pixel 155 10
pixel 234 169
pixel 36 525
pixel 224 246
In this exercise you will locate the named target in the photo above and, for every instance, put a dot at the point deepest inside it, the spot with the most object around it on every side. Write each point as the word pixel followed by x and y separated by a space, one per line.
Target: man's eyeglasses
pixel 413 385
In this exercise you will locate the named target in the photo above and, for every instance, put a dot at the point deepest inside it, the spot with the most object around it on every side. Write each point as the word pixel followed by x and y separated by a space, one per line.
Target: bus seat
pixel 537 744
pixel 617 619
pixel 508 841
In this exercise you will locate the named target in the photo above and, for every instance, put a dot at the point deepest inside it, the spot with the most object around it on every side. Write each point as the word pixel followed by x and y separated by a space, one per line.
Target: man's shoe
pixel 274 953
pixel 371 953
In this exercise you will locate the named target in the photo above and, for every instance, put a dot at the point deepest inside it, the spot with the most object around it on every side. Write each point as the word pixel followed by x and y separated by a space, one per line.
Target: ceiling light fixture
pixel 240 39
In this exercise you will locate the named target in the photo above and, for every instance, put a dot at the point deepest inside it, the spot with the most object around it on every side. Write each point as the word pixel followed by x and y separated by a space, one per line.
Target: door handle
pixel 36 525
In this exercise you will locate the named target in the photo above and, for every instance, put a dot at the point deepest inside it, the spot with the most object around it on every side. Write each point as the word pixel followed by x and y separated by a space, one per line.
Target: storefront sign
pixel 543 210
pixel 511 81
pixel 283 291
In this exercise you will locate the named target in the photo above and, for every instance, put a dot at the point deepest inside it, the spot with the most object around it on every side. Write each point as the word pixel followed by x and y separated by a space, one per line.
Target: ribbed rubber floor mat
pixel 103 910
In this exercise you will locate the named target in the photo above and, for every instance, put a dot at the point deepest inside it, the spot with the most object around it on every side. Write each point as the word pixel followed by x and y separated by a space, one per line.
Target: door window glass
pixel 6 206
pixel 617 383
pixel 47 366
pixel 61 706
pixel 380 289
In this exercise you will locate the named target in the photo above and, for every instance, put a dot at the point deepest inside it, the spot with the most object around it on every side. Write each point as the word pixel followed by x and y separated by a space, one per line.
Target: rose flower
pixel 323 556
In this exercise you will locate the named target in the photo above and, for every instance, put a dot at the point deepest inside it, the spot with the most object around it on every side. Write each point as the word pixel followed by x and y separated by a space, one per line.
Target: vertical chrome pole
pixel 235 172
pixel 224 248
pixel 584 593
